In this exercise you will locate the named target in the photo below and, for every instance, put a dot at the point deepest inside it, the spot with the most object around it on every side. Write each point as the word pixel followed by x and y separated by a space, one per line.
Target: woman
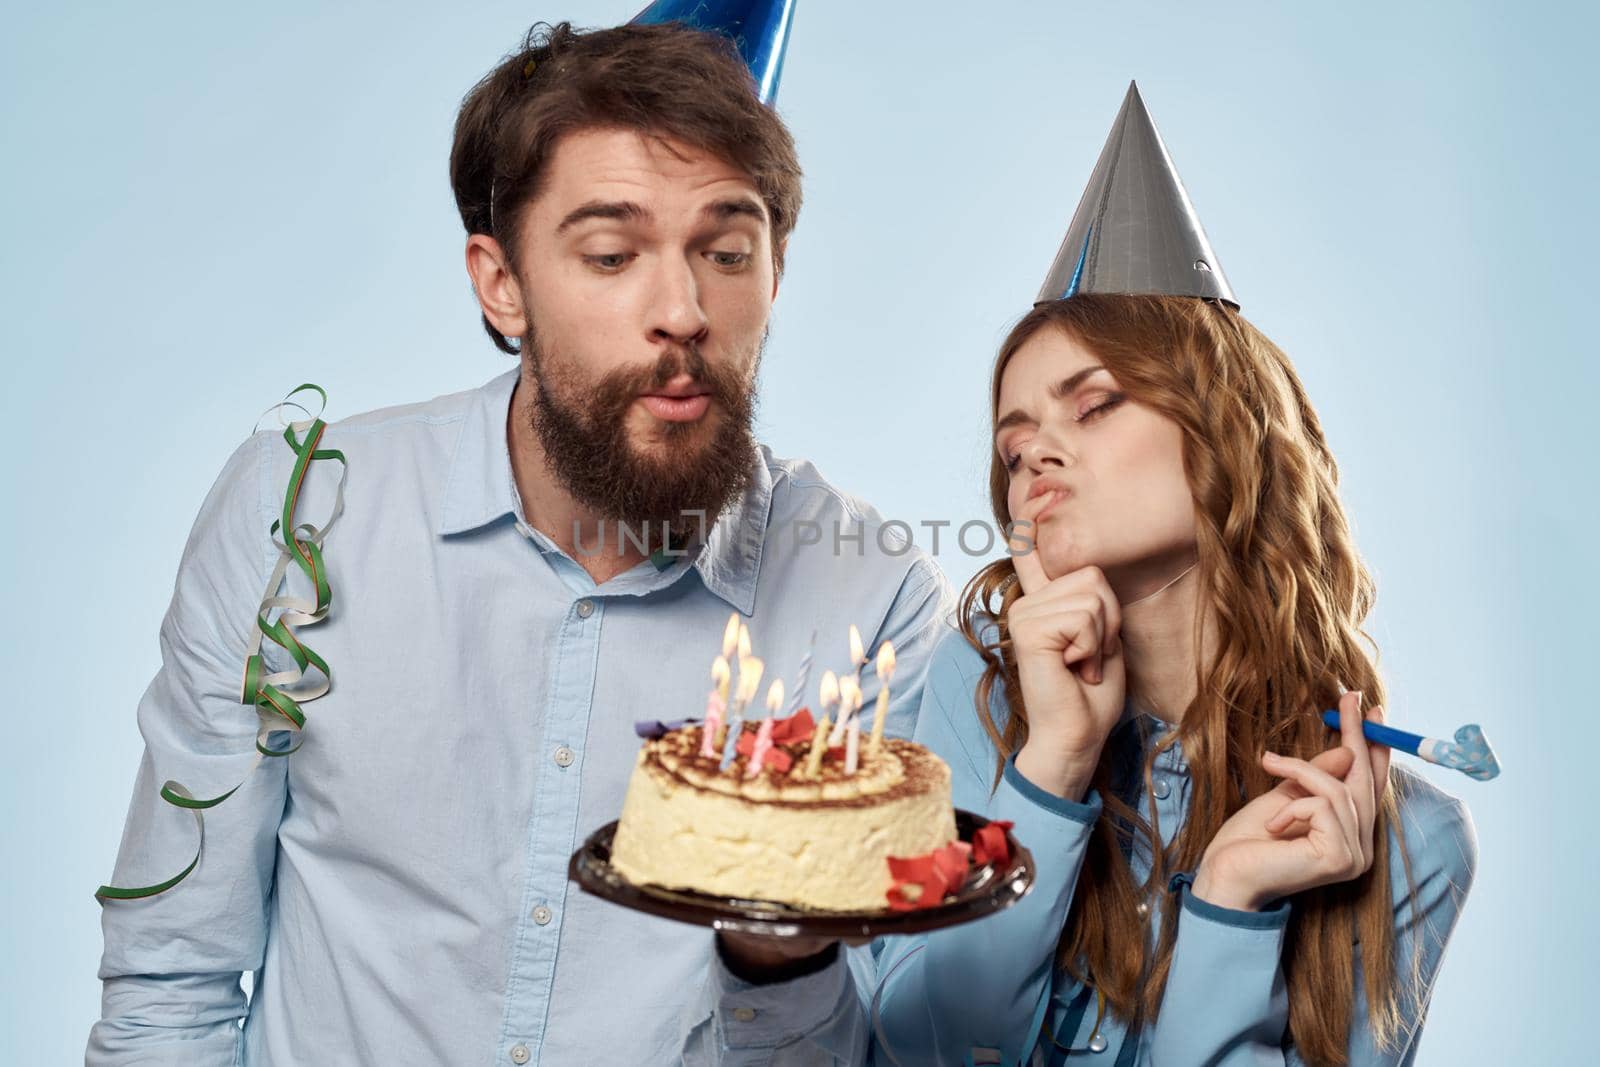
pixel 1221 879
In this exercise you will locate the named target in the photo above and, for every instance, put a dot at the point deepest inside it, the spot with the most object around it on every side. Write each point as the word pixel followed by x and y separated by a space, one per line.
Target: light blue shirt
pixel 990 992
pixel 399 886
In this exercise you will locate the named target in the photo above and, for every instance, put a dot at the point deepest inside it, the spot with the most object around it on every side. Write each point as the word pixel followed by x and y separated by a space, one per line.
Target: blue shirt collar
pixel 480 490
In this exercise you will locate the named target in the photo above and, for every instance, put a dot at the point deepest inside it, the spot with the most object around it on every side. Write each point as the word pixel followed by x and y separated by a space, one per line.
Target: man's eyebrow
pixel 1058 391
pixel 735 207
pixel 616 210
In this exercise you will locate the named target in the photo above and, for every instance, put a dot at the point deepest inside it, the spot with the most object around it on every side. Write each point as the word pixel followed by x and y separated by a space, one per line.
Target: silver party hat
pixel 1135 230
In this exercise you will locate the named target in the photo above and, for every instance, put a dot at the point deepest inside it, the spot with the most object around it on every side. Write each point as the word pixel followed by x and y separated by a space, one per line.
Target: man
pixel 520 572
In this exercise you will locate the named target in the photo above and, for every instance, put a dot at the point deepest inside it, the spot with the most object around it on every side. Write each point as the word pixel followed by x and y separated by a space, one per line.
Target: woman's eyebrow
pixel 1060 390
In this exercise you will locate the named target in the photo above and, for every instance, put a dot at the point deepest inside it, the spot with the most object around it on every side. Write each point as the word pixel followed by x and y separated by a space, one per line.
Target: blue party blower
pixel 1469 753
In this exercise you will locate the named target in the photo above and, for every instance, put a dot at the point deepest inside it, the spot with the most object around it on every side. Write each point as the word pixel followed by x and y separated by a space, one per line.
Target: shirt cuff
pixel 1085 811
pixel 1275 917
pixel 748 1016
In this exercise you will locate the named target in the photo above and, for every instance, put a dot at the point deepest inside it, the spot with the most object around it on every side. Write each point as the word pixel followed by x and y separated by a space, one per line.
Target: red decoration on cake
pixel 924 881
pixel 796 729
pixel 934 876
pixel 989 845
pixel 919 874
pixel 951 862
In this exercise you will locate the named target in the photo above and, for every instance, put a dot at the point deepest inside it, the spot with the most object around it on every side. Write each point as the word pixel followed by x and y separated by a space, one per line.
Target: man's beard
pixel 582 427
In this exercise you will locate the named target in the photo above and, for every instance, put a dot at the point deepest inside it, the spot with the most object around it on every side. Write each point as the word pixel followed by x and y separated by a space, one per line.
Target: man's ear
pixel 495 285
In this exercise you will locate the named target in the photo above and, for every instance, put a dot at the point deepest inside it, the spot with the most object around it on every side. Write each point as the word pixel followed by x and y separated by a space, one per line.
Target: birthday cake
pixel 788 809
pixel 822 842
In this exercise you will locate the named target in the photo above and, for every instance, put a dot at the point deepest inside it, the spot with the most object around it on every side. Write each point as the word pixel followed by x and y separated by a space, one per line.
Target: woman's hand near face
pixel 1314 828
pixel 1065 637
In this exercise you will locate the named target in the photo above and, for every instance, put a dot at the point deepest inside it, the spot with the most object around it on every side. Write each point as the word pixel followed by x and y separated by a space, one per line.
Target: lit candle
pixel 744 642
pixel 858 652
pixel 826 699
pixel 849 701
pixel 758 756
pixel 749 681
pixel 716 703
pixel 852 745
pixel 730 638
pixel 885 672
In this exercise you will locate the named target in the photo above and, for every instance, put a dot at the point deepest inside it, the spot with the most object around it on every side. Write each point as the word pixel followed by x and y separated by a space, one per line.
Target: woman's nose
pixel 1045 451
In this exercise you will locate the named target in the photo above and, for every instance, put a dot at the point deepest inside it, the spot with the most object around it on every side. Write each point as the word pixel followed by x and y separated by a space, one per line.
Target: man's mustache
pixel 722 383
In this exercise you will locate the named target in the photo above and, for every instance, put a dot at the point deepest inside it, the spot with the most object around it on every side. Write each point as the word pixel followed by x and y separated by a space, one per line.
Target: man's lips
pixel 685 408
pixel 681 385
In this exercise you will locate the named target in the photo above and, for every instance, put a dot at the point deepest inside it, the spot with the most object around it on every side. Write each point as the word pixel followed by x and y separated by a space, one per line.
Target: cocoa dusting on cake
pixel 909 769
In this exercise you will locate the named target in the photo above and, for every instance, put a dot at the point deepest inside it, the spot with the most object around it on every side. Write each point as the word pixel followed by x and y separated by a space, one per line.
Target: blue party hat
pixel 759 28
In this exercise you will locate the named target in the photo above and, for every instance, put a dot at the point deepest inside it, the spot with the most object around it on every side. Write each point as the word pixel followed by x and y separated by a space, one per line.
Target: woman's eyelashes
pixel 1101 404
pixel 1098 406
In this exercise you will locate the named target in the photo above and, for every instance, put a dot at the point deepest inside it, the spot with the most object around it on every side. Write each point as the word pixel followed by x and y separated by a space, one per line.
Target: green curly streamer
pixel 276 697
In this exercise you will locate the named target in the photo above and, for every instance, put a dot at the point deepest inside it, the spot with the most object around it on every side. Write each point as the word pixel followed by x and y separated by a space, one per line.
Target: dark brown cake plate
pixel 987 890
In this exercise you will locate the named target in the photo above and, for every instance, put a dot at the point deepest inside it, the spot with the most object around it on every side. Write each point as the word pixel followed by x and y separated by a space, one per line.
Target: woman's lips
pixel 677 408
pixel 1052 497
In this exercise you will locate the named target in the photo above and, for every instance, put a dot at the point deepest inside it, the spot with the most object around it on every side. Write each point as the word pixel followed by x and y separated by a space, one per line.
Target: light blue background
pixel 204 207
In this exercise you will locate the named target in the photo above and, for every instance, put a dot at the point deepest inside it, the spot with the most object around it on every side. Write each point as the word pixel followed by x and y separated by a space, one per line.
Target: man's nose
pixel 675 313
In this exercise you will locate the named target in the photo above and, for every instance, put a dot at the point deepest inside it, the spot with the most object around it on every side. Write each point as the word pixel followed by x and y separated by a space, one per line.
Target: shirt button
pixel 564 756
pixel 519 1053
pixel 1163 789
pixel 542 915
pixel 744 1015
pixel 585 608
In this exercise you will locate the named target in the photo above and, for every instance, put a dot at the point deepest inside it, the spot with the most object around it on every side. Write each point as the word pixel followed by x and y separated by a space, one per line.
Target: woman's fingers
pixel 1053 610
pixel 1091 582
pixel 1030 571
pixel 1316 817
pixel 1070 589
pixel 1299 809
pixel 1074 626
pixel 1085 616
pixel 1336 761
pixel 1320 783
pixel 1351 735
pixel 1380 756
pixel 1359 780
pixel 1053 617
pixel 1084 643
